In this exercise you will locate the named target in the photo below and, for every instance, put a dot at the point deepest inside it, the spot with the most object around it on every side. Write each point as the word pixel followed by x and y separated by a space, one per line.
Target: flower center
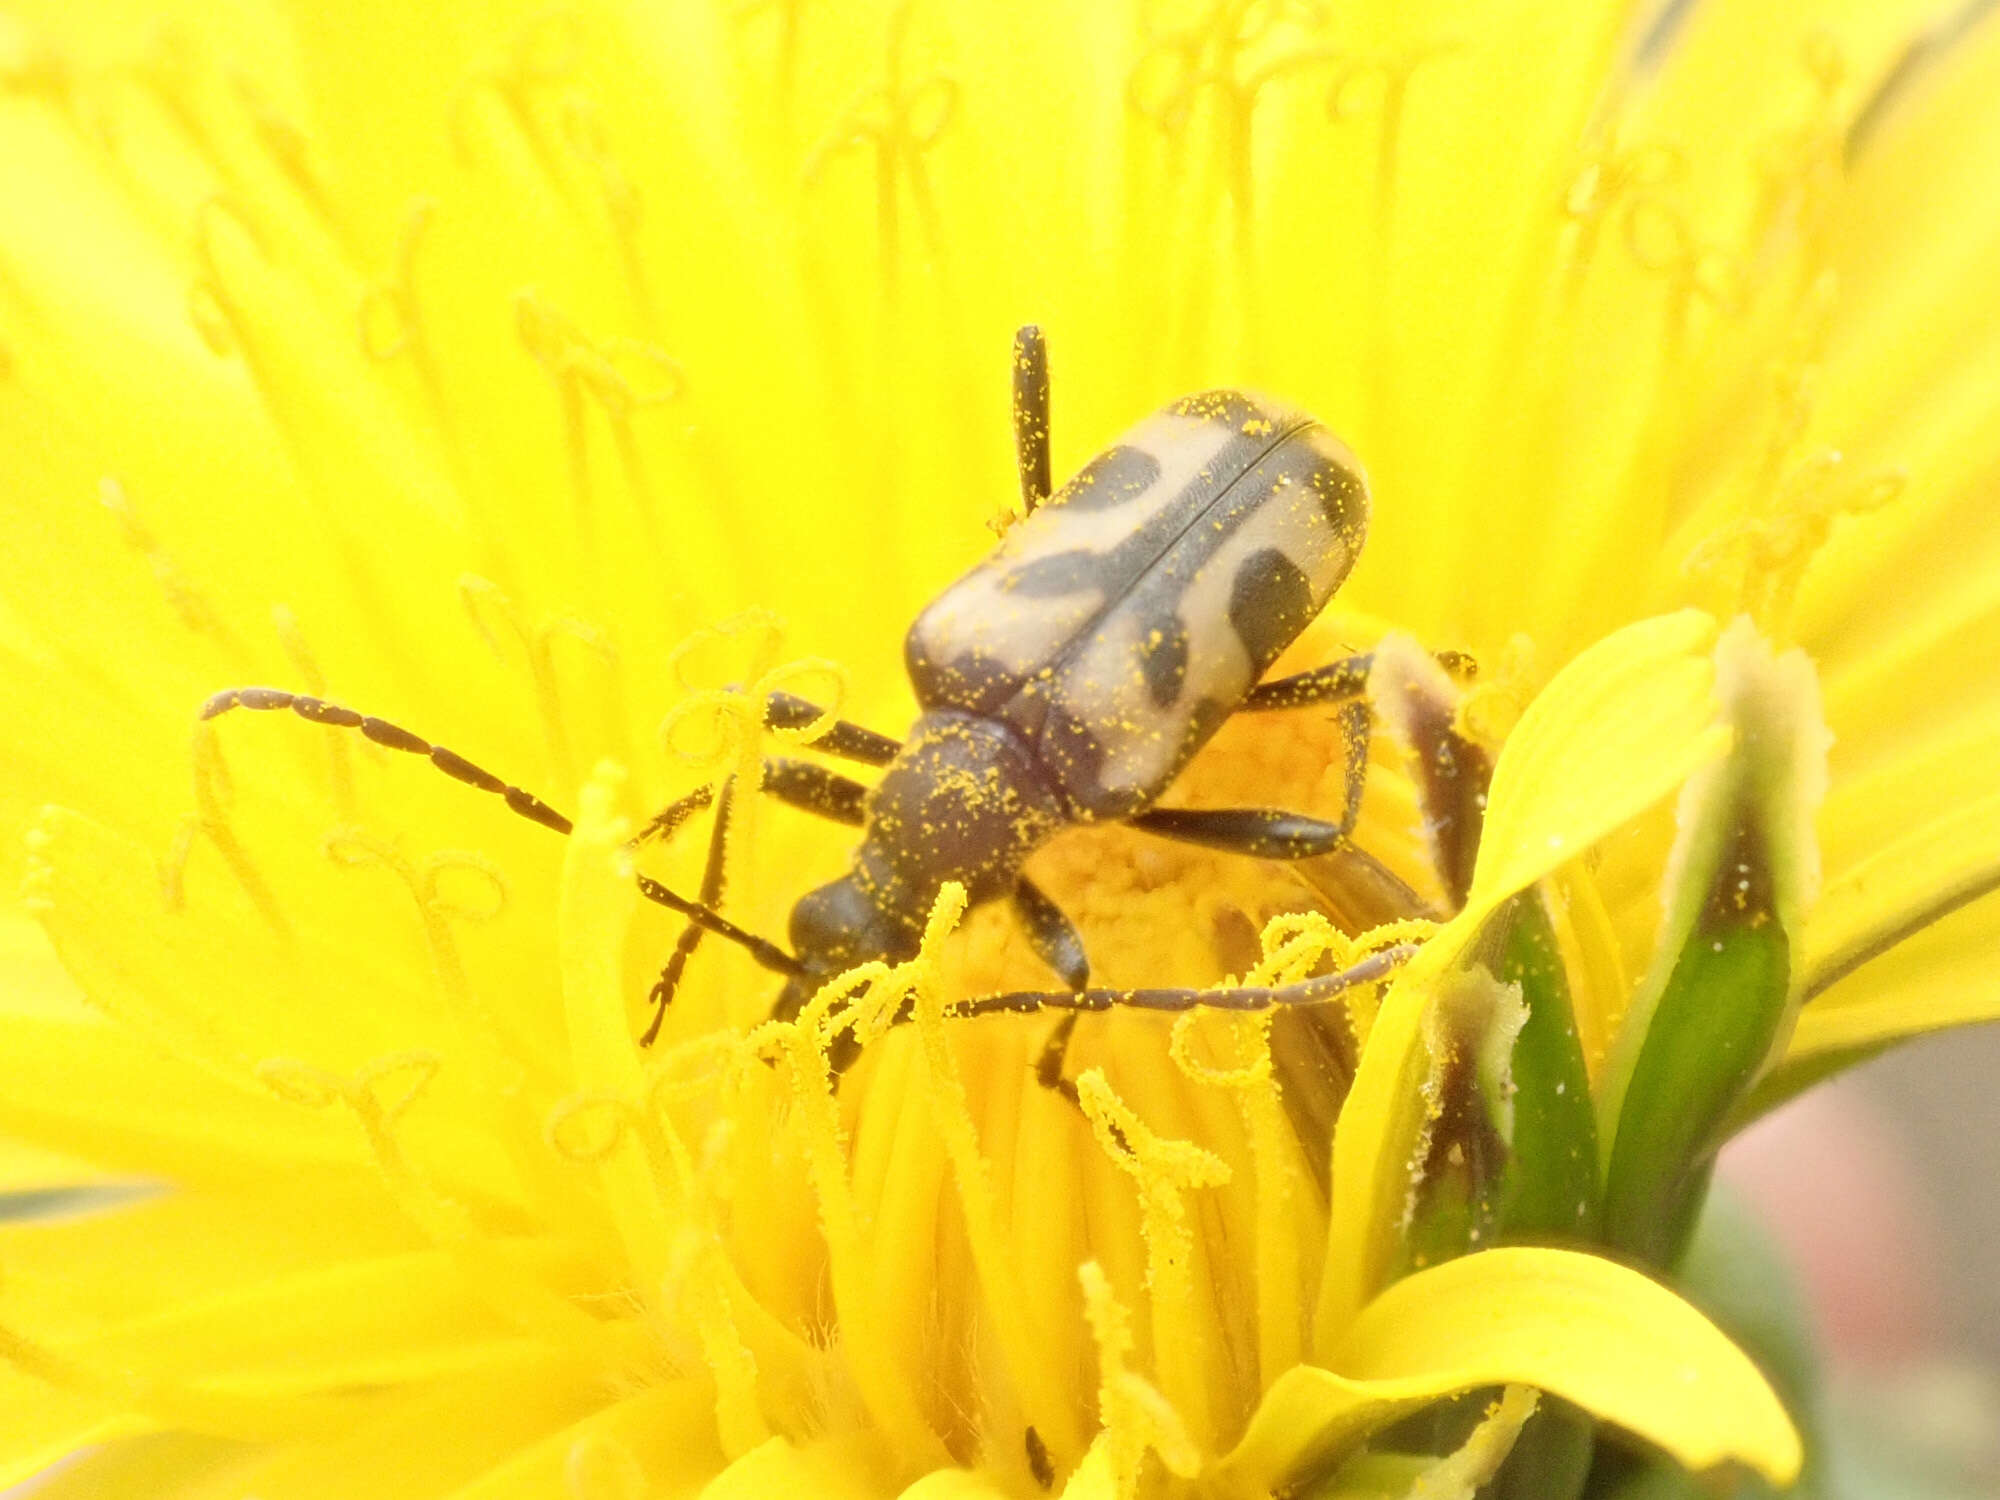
pixel 926 1212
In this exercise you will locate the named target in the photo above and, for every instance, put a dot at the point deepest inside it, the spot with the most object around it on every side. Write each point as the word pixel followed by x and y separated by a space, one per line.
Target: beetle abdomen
pixel 1117 626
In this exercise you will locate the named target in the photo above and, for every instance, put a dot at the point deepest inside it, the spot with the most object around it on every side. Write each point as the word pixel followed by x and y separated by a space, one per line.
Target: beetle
pixel 1067 679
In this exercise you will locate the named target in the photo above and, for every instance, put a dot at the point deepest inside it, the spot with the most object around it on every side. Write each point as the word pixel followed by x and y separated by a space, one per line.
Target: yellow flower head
pixel 560 394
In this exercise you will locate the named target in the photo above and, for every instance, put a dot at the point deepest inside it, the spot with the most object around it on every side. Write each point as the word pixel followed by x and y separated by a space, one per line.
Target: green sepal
pixel 1723 1007
pixel 1470 1030
pixel 1548 1190
pixel 1512 1153
pixel 1551 1458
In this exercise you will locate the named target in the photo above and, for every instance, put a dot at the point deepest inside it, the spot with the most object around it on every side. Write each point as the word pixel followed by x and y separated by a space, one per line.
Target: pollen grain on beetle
pixel 1119 1007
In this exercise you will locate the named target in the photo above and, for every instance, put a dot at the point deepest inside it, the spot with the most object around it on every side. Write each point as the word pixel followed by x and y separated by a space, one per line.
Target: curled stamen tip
pixel 587 1128
pixel 409 1074
pixel 298 1082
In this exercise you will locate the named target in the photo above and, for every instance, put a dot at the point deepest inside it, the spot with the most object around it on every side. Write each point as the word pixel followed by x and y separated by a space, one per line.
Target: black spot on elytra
pixel 1163 657
pixel 1071 752
pixel 1269 604
pixel 1056 575
pixel 1117 476
pixel 1342 496
pixel 971 679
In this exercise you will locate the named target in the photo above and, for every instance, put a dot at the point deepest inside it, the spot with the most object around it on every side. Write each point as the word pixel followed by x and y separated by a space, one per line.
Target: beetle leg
pixel 1260 832
pixel 1031 417
pixel 848 741
pixel 1268 832
pixel 1051 934
pixel 798 783
pixel 1336 682
pixel 1056 942
pixel 713 874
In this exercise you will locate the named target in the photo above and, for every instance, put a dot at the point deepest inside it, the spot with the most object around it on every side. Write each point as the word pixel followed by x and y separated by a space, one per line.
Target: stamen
pixel 218 317
pixel 805 1044
pixel 899 121
pixel 578 368
pixel 738 719
pixel 1764 558
pixel 210 820
pixel 1136 1417
pixel 388 317
pixel 1613 179
pixel 543 53
pixel 589 1129
pixel 1462 1474
pixel 499 1046
pixel 788 13
pixel 1163 1172
pixel 1393 72
pixel 377 1096
pixel 1231 54
pixel 1012 1315
pixel 1801 170
pixel 186 601
pixel 585 134
pixel 300 653
pixel 487 603
pixel 1293 945
pixel 699 1282
pixel 284 140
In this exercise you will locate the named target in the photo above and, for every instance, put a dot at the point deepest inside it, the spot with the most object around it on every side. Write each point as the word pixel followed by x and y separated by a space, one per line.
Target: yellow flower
pixel 481 372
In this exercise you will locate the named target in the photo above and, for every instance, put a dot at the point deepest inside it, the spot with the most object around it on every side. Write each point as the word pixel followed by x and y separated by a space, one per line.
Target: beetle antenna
pixel 527 804
pixel 1317 991
pixel 1031 416
pixel 395 737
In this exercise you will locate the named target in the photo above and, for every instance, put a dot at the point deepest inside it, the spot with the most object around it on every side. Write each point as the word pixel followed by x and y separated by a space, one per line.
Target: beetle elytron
pixel 1067 679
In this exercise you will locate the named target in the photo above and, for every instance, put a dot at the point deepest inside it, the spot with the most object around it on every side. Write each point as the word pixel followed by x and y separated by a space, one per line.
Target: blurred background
pixel 1883 1188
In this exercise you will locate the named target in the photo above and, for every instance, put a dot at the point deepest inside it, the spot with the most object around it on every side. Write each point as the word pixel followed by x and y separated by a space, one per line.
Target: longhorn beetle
pixel 1067 679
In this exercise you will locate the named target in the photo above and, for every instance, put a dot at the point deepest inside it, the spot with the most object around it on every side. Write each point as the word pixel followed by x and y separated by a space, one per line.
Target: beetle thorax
pixel 965 801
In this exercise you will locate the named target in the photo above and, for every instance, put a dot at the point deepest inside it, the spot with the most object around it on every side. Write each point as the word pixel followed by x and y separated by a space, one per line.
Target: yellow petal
pixel 45 1424
pixel 1616 730
pixel 30 1169
pixel 847 1468
pixel 138 1468
pixel 1939 978
pixel 660 1442
pixel 1616 1343
pixel 356 1324
pixel 105 1266
pixel 1906 883
pixel 959 1484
